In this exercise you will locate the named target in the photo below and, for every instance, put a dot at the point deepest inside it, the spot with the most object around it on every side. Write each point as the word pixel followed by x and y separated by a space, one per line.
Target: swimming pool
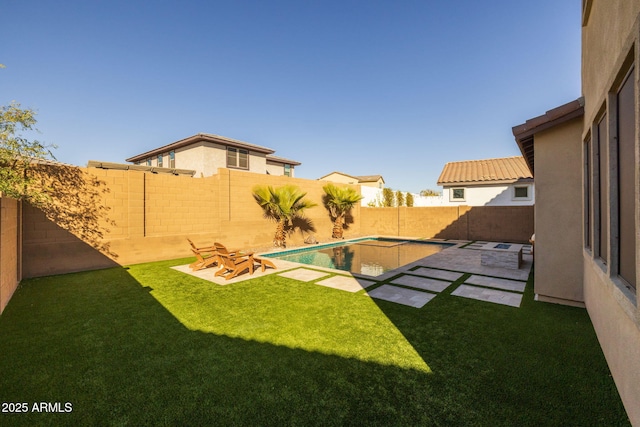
pixel 370 256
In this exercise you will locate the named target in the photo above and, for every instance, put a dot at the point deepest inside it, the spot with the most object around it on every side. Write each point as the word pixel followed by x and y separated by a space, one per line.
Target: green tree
pixel 399 198
pixel 339 201
pixel 387 197
pixel 429 192
pixel 283 205
pixel 19 157
pixel 409 199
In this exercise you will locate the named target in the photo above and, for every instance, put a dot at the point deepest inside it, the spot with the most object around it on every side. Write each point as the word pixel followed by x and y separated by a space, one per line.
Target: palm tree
pixel 339 201
pixel 282 205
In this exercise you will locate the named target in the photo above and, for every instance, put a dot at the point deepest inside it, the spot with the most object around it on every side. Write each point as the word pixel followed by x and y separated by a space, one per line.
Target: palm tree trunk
pixel 280 237
pixel 337 227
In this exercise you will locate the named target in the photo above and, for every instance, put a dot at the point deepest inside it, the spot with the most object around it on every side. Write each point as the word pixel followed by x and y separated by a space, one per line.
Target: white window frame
pixel 458 199
pixel 519 198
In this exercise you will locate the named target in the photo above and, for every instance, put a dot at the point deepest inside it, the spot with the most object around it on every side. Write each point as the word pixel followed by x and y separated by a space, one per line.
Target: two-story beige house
pixel 205 153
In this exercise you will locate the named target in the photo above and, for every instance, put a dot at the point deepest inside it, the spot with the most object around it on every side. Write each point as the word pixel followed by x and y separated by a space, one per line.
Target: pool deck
pixel 414 284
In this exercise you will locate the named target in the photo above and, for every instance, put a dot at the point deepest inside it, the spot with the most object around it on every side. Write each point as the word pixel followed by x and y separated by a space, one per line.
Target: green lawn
pixel 146 345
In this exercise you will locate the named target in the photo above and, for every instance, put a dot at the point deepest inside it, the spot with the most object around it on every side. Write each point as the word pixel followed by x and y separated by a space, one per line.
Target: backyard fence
pixel 10 274
pixel 117 217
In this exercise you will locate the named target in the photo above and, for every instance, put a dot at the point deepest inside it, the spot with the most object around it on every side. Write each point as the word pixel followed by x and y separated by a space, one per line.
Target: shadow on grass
pixel 539 364
pixel 127 347
pixel 100 341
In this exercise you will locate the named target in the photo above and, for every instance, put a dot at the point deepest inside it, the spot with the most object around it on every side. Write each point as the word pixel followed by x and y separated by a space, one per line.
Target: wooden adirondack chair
pixel 203 261
pixel 233 263
pixel 205 256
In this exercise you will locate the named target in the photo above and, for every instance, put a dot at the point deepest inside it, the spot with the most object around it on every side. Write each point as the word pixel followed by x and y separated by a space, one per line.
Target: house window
pixel 457 194
pixel 625 181
pixel 587 194
pixel 237 158
pixel 287 170
pixel 602 193
pixel 149 161
pixel 172 159
pixel 159 160
pixel 521 192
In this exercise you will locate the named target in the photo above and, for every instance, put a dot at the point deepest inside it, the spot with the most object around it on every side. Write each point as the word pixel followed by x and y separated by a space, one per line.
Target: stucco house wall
pixel 558 217
pixel 490 195
pixel 610 48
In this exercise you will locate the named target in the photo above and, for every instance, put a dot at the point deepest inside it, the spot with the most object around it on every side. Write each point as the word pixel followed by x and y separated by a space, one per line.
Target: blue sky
pixel 396 88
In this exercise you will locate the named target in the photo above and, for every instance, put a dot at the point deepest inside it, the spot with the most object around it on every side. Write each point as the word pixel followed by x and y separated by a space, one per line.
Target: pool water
pixel 371 257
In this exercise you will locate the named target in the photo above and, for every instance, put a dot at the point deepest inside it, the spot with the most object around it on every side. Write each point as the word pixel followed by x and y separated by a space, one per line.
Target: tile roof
pixel 506 169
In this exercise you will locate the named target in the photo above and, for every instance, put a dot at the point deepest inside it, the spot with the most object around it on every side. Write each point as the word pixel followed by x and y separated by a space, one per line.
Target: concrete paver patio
pixel 303 274
pixel 407 284
pixel 403 296
pixel 427 284
pixel 488 295
pixel 346 283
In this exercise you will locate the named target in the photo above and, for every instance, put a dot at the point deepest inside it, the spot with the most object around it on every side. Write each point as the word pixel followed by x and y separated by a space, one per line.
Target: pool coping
pixel 384 276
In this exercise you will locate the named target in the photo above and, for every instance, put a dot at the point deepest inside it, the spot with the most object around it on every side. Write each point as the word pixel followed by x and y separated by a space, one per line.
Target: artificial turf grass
pixel 114 343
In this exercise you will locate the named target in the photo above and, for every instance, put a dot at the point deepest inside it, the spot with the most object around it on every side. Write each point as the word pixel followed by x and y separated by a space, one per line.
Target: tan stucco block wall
pixel 493 223
pixel 9 249
pixel 605 39
pixel 558 226
pixel 616 326
pixel 608 39
pixel 148 217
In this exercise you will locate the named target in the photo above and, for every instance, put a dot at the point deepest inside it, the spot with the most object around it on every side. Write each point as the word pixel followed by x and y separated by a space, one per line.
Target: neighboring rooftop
pixel 369 178
pixel 282 160
pixel 359 178
pixel 500 170
pixel 152 169
pixel 204 137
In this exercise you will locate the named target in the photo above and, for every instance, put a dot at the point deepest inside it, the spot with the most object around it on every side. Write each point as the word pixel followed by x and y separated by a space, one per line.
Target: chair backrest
pixel 221 249
pixel 198 255
pixel 192 245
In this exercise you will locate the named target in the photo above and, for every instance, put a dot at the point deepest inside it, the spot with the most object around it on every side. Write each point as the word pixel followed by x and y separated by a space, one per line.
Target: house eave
pixel 485 183
pixel 524 133
pixel 201 137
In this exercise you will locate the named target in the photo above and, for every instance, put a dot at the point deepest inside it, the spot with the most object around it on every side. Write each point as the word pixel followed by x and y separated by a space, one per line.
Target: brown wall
pixel 492 223
pixel 9 249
